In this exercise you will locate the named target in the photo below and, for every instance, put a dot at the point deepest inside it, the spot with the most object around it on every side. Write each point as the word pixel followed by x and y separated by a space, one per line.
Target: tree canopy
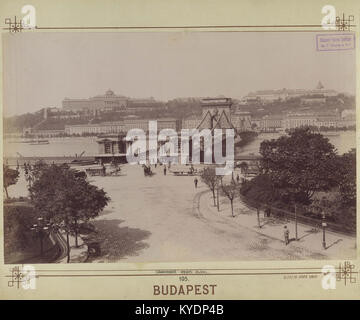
pixel 347 178
pixel 300 164
pixel 259 191
pixel 65 198
pixel 10 177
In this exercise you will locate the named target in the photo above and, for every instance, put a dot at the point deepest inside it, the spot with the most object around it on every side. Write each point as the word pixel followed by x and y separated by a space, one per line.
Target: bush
pixel 18 220
pixel 259 190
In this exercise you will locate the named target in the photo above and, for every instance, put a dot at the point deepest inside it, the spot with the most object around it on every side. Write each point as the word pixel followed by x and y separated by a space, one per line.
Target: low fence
pixel 288 216
pixel 14 161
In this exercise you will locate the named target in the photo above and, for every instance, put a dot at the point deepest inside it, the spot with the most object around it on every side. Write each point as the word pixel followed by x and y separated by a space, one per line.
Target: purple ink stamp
pixel 335 41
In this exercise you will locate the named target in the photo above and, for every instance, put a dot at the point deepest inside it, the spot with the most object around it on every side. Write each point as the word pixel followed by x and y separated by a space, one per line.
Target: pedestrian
pixel 237 178
pixel 267 212
pixel 286 235
pixel 103 170
pixel 195 182
pixel 192 169
pixel 164 170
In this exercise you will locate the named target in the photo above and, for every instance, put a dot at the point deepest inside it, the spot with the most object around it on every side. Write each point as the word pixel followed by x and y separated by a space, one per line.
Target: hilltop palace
pixel 77 115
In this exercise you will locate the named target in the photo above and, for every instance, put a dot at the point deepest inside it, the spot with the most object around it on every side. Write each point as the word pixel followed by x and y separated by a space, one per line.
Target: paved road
pixel 154 219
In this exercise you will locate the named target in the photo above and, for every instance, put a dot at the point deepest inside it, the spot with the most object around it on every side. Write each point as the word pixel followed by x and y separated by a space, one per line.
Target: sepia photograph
pixel 178 146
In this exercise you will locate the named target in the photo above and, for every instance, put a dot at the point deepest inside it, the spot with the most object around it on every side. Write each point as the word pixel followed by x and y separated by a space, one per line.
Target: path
pixel 155 219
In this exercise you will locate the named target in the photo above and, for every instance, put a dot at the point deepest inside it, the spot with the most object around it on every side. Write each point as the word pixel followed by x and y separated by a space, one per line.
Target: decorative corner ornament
pixel 23 276
pixel 14 26
pixel 17 277
pixel 343 24
pixel 346 273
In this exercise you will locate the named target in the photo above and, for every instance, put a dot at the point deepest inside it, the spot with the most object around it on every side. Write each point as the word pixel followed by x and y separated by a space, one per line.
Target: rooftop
pixel 216 102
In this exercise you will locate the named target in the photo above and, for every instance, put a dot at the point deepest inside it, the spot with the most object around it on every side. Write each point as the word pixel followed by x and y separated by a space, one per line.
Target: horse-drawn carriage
pixel 147 170
pixel 185 172
pixel 112 170
pixel 96 171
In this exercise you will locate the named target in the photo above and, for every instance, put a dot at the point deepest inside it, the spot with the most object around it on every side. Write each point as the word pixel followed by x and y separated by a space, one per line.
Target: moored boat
pixel 37 142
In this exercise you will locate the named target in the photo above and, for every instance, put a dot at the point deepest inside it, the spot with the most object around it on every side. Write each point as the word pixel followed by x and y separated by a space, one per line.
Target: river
pixel 343 142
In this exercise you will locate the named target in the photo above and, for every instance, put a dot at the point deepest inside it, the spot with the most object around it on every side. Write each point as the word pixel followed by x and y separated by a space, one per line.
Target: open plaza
pixel 164 218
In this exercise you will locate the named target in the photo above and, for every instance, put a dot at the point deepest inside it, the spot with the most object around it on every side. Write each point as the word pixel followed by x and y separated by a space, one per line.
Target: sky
pixel 41 69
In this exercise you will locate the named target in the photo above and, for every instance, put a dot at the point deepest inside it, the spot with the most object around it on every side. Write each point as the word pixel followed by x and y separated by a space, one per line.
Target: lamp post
pixel 258 216
pixel 324 225
pixel 41 229
pixel 296 227
pixel 219 179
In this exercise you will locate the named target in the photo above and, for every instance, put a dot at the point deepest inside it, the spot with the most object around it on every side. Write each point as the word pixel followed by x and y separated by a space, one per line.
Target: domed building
pixel 108 101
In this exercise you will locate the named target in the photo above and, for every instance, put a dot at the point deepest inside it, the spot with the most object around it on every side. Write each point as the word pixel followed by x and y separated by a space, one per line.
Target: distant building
pixel 343 123
pixel 71 115
pixel 117 127
pixel 44 133
pixel 313 100
pixel 256 123
pixel 297 120
pixel 309 119
pixel 348 114
pixel 162 123
pixel 269 96
pixel 327 120
pixel 95 129
pixel 147 104
pixel 107 101
pixel 348 118
pixel 319 86
pixel 270 123
pixel 110 102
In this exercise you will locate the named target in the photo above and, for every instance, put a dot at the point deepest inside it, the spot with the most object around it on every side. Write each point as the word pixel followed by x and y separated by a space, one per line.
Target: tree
pixel 230 190
pixel 261 189
pixel 218 186
pixel 36 169
pixel 300 164
pixel 244 168
pixel 347 178
pixel 65 198
pixel 209 177
pixel 335 211
pixel 11 177
pixel 259 192
pixel 17 234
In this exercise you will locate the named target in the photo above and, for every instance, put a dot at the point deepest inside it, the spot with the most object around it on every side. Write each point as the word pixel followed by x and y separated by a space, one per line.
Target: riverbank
pixel 343 141
pixel 88 147
pixel 246 138
pixel 14 161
